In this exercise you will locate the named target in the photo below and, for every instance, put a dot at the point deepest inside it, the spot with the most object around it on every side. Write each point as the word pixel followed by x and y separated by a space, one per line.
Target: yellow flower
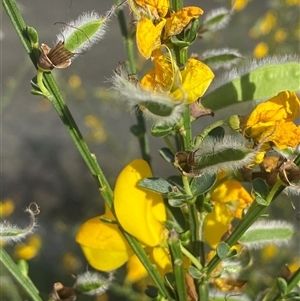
pixel 188 84
pixel 229 199
pixel 102 243
pixel 7 207
pixel 148 35
pixel 280 35
pixel 239 4
pixel 29 249
pixel 153 28
pixel 139 212
pixel 272 121
pixel 268 22
pixel 261 50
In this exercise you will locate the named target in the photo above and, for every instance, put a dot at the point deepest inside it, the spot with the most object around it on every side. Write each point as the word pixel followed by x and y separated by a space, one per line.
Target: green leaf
pixel 195 273
pixel 223 250
pixel 260 187
pixel 159 129
pixel 192 33
pixel 261 191
pixel 175 41
pixel 282 285
pixel 265 81
pixel 178 200
pixel 176 220
pixel 33 37
pixel 217 132
pixel 202 184
pixel 166 154
pixel 173 225
pixel 207 207
pixel 265 232
pixel 137 130
pixel 261 201
pixel 158 185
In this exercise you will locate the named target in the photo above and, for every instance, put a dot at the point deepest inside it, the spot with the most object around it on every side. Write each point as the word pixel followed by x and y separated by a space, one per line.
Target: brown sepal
pixel 63 293
pixel 58 57
pixel 196 110
pixel 185 161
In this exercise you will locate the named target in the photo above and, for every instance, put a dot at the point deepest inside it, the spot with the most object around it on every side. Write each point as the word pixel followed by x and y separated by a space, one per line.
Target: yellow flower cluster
pixel 156 25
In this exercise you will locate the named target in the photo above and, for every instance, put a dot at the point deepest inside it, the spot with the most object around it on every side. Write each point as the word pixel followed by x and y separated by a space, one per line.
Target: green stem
pixel 178 268
pixel 186 133
pixel 203 291
pixel 194 228
pixel 192 258
pixel 22 280
pixel 198 139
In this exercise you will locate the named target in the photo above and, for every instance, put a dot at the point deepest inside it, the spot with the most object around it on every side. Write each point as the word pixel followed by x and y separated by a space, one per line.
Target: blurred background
pixel 39 162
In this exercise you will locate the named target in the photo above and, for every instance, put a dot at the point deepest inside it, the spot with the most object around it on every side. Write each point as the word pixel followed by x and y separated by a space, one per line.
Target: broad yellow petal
pixel 103 244
pixel 196 78
pixel 160 7
pixel 180 19
pixel 161 78
pixel 135 269
pixel 234 195
pixel 271 121
pixel 216 224
pixel 140 212
pixel 148 35
pixel 161 257
pixel 285 106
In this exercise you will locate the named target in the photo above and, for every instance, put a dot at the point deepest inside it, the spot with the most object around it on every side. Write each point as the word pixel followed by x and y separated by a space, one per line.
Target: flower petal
pixel 285 106
pixel 196 78
pixel 135 269
pixel 216 224
pixel 234 195
pixel 103 244
pixel 161 257
pixel 271 121
pixel 148 35
pixel 140 212
pixel 159 6
pixel 180 19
